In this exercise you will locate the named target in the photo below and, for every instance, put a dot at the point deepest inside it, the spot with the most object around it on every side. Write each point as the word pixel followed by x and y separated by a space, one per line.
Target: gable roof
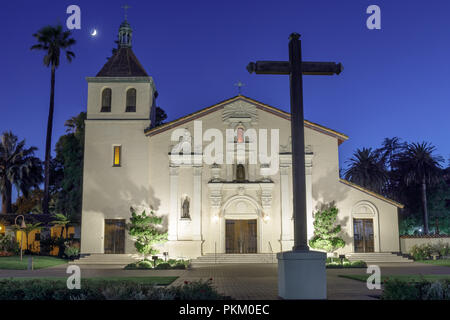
pixel 259 105
pixel 376 195
pixel 123 64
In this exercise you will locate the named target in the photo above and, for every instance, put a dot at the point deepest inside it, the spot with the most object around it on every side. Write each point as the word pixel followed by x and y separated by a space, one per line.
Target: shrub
pixel 421 252
pixel 326 231
pixel 334 260
pixel 198 290
pixel 105 290
pixel 424 251
pixel 7 244
pixel 423 290
pixel 71 252
pixel 145 230
pixel 336 263
pixel 359 264
pixel 399 290
pixel 163 266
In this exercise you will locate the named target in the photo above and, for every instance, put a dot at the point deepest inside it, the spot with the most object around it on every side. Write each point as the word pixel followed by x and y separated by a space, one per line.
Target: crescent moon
pixel 94 33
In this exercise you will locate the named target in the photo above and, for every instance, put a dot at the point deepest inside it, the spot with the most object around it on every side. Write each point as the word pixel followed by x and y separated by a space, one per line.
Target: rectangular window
pixel 117 156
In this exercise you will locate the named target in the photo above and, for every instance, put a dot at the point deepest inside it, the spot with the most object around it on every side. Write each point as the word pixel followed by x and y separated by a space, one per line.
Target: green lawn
pixel 39 262
pixel 401 277
pixel 440 262
pixel 160 281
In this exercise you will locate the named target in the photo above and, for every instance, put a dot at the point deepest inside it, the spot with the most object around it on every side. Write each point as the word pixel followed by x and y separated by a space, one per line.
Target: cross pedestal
pixel 301 272
pixel 302 275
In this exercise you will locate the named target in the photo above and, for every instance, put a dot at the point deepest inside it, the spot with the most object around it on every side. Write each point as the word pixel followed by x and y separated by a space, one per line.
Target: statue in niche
pixel 185 207
pixel 240 173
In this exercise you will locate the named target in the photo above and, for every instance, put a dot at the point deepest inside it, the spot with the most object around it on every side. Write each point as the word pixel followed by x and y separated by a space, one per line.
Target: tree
pixel 29 204
pixel 145 229
pixel 68 168
pixel 52 39
pixel 419 165
pixel 18 167
pixel 325 229
pixel 160 116
pixel 62 221
pixel 388 155
pixel 367 170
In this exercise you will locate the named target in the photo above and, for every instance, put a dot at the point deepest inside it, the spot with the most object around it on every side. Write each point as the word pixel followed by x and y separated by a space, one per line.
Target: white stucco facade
pixel 149 177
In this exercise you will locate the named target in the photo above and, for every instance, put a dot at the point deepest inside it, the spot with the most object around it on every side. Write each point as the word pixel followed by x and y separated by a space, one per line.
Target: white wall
pixel 407 243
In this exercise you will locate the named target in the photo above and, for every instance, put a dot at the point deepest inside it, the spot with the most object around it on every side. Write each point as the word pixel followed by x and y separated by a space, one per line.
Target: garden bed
pixel 170 264
pixel 38 289
pixel 335 263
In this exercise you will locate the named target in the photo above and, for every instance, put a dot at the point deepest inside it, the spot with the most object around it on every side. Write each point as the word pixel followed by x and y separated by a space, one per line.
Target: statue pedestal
pixel 302 275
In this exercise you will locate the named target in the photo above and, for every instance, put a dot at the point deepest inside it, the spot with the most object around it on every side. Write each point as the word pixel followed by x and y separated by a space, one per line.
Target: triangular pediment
pixel 244 108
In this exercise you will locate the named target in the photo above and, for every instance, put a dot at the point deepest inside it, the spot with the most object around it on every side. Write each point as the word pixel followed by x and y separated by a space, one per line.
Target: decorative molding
pixel 215 173
pixel 238 112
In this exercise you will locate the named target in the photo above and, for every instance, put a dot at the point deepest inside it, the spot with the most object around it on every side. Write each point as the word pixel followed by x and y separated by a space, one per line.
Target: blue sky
pixel 395 82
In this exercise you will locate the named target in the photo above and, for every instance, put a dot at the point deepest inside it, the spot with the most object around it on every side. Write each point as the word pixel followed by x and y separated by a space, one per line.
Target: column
pixel 197 205
pixel 173 213
pixel 309 208
pixel 286 210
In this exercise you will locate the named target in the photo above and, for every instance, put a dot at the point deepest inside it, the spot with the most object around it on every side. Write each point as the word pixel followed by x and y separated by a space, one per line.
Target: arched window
pixel 106 100
pixel 240 135
pixel 131 100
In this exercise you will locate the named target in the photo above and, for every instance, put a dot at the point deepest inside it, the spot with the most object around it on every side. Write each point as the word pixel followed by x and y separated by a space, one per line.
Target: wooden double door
pixel 114 239
pixel 240 236
pixel 363 235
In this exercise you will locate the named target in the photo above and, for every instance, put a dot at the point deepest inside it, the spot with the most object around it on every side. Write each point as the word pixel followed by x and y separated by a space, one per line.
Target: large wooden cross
pixel 295 68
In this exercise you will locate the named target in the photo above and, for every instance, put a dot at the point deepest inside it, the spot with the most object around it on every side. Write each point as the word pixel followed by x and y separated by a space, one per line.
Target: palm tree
pixel 52 40
pixel 18 167
pixel 419 165
pixel 388 154
pixel 62 221
pixel 367 170
pixel 391 148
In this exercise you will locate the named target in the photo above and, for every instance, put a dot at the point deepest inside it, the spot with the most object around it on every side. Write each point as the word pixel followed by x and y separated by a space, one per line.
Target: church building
pixel 238 206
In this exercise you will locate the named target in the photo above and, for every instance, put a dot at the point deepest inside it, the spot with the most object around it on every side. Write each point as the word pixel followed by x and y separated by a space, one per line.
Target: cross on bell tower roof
pixel 123 63
pixel 125 31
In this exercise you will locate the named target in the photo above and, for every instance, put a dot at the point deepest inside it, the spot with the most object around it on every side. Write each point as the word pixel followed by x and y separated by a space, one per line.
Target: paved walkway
pixel 245 281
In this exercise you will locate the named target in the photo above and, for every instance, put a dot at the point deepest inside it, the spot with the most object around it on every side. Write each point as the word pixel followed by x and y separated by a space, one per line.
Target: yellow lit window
pixel 116 160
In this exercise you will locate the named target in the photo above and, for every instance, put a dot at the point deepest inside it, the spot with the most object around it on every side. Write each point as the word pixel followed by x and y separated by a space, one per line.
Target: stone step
pixel 378 257
pixel 107 259
pixel 210 258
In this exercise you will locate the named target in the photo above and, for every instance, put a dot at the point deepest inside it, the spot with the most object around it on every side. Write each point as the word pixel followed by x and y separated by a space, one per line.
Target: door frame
pixel 256 229
pixel 124 234
pixel 366 210
pixel 364 240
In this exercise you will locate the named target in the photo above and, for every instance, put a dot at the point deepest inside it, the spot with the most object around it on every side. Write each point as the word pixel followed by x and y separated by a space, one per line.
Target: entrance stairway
pixel 106 259
pixel 378 257
pixel 210 258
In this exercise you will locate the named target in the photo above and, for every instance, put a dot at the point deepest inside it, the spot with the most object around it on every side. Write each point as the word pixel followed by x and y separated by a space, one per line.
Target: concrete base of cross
pixel 302 275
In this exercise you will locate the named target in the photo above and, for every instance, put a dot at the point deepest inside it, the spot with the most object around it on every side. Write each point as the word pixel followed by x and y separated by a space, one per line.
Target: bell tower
pixel 120 106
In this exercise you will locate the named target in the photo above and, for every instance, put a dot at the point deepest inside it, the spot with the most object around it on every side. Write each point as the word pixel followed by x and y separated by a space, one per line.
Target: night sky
pixel 395 82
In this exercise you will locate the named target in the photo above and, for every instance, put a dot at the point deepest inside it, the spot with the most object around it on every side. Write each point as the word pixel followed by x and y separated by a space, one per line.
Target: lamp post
pixel 22 226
